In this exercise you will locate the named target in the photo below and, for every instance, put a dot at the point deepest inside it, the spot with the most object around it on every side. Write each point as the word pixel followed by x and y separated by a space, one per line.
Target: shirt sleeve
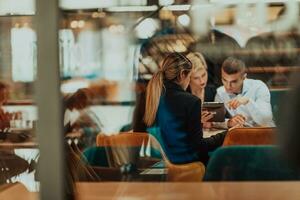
pixel 259 107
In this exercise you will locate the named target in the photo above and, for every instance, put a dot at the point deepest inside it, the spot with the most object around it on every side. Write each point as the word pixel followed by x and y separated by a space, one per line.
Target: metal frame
pixel 48 96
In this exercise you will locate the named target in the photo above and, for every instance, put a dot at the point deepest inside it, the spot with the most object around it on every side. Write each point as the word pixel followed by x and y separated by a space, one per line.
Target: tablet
pixel 217 108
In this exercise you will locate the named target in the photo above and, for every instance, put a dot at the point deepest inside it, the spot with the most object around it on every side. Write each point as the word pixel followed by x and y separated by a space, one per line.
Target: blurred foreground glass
pixel 18 113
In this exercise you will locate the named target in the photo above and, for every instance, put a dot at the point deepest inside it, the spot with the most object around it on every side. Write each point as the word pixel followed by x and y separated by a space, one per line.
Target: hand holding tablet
pixel 213 111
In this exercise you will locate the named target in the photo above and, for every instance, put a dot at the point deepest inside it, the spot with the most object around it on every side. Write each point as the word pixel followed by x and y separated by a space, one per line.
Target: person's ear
pixel 182 75
pixel 245 76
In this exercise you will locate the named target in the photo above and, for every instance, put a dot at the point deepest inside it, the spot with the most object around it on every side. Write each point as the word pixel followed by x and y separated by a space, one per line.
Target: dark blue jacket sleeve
pixel 196 133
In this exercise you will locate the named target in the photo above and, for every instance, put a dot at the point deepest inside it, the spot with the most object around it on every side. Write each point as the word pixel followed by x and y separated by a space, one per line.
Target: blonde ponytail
pixel 172 65
pixel 153 93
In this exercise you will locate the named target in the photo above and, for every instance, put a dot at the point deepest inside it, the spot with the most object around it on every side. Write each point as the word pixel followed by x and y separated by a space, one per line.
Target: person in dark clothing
pixel 138 125
pixel 176 112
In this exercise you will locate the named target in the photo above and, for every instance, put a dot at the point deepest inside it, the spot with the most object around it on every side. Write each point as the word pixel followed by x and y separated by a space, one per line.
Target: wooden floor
pixel 218 190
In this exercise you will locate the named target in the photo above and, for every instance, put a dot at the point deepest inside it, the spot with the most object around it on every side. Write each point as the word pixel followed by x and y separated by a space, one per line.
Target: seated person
pixel 198 84
pixel 78 117
pixel 246 100
pixel 176 112
pixel 198 87
pixel 138 125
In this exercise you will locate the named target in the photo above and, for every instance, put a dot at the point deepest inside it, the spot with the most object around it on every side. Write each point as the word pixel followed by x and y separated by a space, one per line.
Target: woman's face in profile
pixel 198 79
pixel 185 80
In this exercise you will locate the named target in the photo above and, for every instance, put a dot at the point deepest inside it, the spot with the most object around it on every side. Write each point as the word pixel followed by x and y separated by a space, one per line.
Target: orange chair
pixel 123 139
pixel 190 172
pixel 250 136
pixel 122 148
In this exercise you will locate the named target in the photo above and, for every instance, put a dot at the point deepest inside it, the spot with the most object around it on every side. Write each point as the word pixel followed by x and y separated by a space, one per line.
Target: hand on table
pixel 236 121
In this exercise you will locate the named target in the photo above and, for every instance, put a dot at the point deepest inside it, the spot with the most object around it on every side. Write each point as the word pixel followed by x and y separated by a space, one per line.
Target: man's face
pixel 233 83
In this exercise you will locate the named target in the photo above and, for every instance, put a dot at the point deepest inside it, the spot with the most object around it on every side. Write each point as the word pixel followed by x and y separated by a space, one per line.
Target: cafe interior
pixel 149 99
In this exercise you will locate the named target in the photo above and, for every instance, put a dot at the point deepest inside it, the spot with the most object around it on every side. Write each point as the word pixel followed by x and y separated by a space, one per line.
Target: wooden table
pixel 221 190
pixel 14 137
pixel 211 132
pixel 17 191
pixel 207 191
pixel 31 143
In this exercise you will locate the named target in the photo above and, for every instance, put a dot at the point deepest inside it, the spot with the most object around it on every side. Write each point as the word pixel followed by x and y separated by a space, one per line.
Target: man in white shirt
pixel 246 100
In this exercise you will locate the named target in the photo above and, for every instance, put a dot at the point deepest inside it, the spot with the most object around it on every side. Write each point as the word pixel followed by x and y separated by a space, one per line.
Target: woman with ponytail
pixel 177 113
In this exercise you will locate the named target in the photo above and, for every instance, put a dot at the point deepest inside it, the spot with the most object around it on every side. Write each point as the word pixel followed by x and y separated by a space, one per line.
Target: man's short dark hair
pixel 232 66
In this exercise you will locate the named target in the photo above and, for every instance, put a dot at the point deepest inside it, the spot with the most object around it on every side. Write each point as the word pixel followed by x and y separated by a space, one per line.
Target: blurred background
pixel 108 51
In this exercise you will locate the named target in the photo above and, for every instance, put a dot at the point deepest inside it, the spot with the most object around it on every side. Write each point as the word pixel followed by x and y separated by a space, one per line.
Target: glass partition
pixel 18 63
pixel 108 55
pixel 104 53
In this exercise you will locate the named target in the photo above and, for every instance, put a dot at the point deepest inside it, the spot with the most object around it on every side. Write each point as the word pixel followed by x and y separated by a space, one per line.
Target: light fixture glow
pixel 81 23
pixel 132 8
pixel 74 24
pixel 147 28
pixel 86 4
pixel 166 2
pixel 178 7
pixel 184 20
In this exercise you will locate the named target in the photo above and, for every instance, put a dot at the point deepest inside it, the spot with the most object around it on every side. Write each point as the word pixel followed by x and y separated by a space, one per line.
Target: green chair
pixel 249 163
pixel 276 97
pixel 96 156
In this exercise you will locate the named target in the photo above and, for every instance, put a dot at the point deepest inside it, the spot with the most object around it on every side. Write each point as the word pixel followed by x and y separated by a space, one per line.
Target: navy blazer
pixel 179 120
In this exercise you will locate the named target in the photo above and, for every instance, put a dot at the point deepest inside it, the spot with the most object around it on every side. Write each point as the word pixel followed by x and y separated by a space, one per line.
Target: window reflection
pixel 102 54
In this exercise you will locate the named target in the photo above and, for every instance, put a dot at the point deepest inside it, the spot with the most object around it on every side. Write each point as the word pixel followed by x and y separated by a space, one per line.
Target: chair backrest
pixel 123 139
pixel 250 136
pixel 78 169
pixel 122 148
pixel 248 163
pixel 276 98
pixel 96 156
pixel 190 172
